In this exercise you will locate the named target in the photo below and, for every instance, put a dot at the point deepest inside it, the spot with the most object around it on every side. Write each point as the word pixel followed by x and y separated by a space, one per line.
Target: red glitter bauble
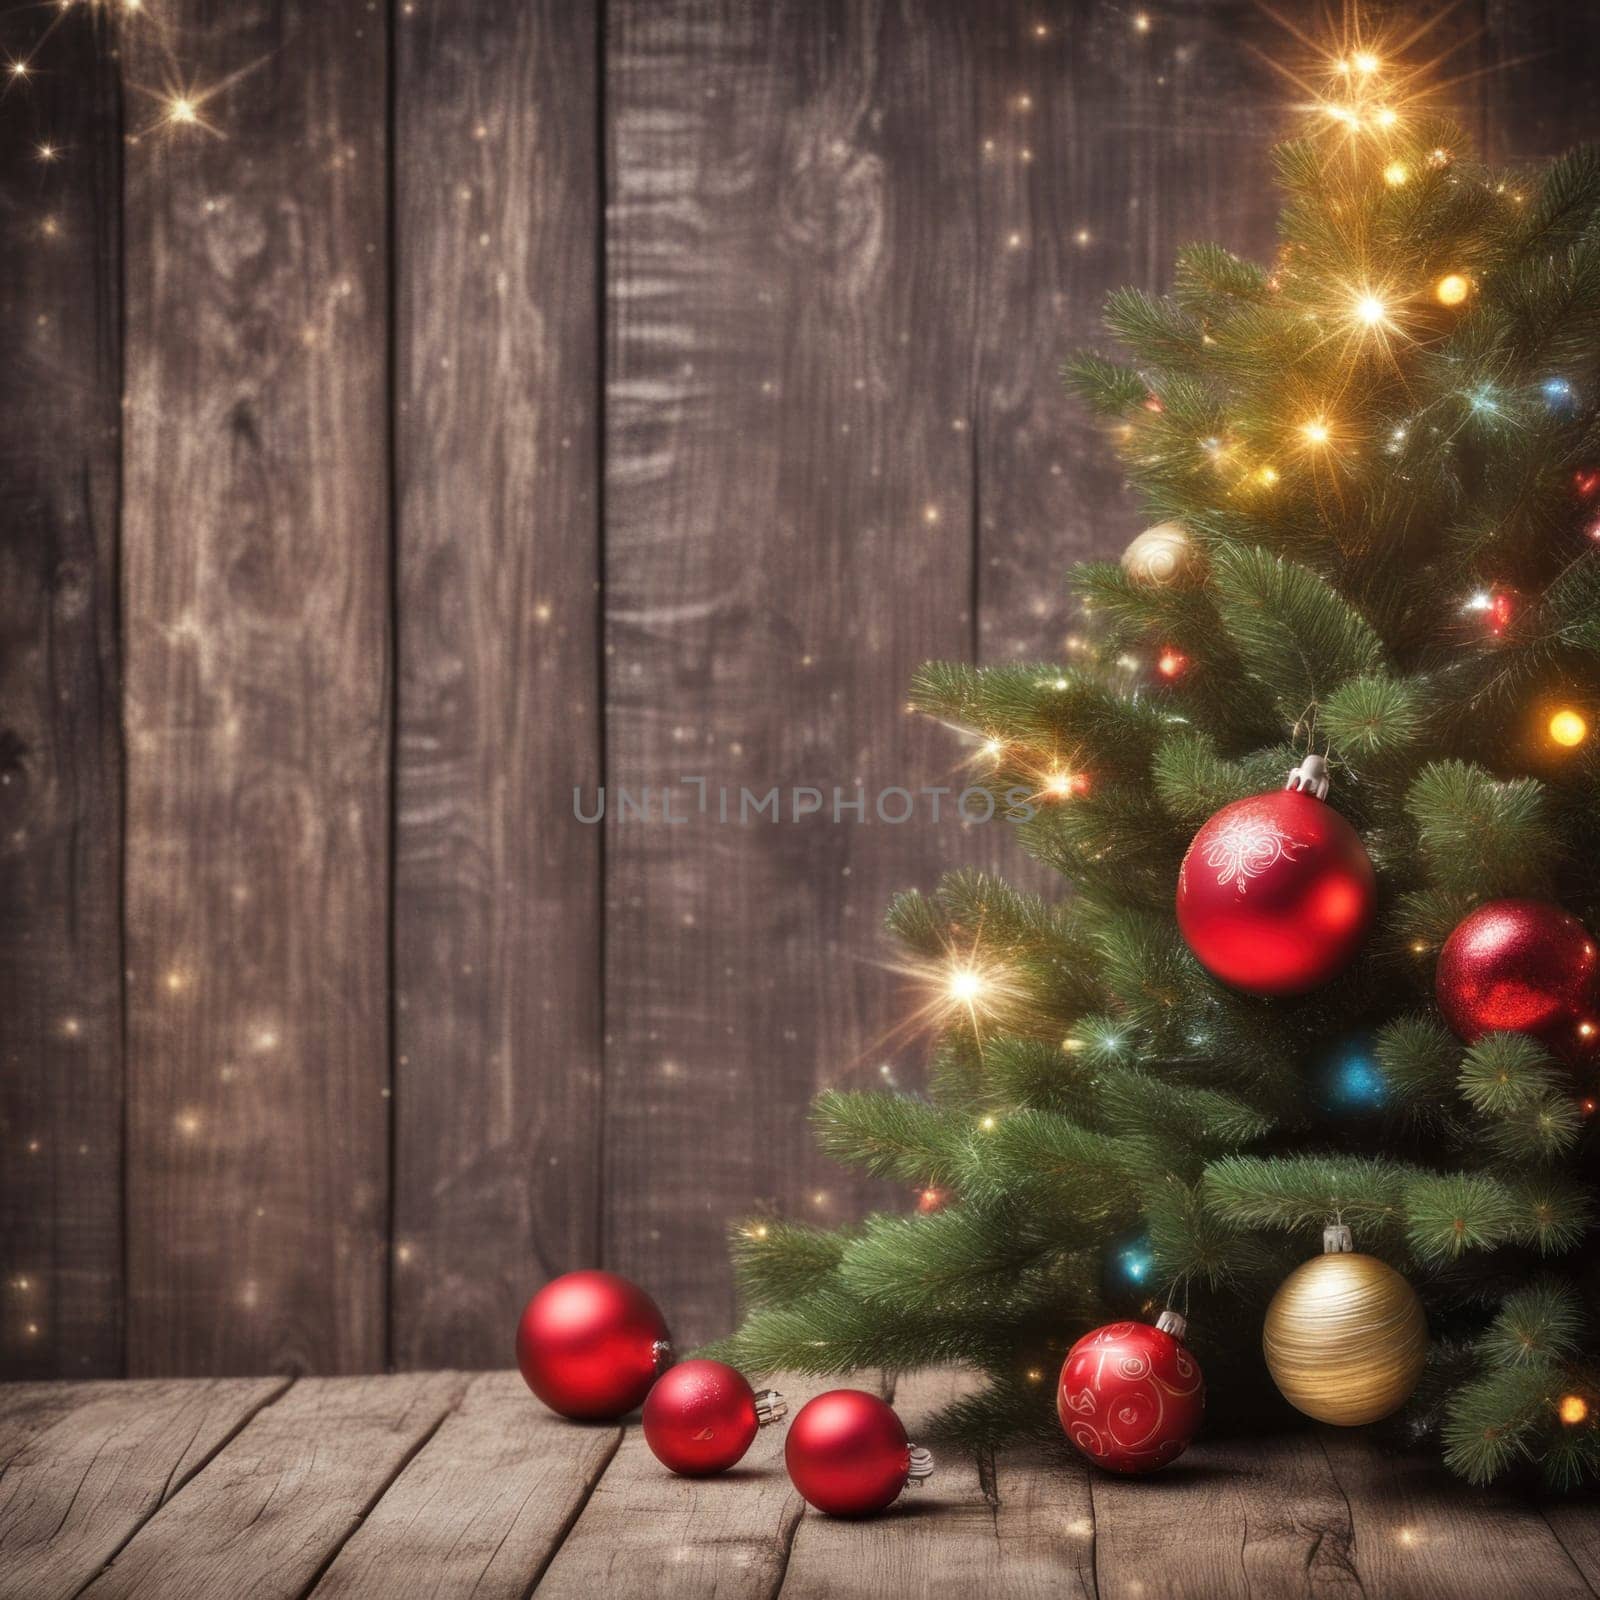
pixel 701 1416
pixel 1131 1396
pixel 590 1344
pixel 847 1453
pixel 1520 966
pixel 1276 893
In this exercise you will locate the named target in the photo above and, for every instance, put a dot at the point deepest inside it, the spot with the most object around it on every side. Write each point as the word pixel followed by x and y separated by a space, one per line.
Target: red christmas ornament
pixel 700 1417
pixel 848 1454
pixel 1586 482
pixel 1520 966
pixel 590 1344
pixel 1276 892
pixel 1131 1396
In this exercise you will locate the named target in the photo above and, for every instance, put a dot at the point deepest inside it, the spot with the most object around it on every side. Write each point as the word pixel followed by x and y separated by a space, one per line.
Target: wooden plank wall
pixel 415 412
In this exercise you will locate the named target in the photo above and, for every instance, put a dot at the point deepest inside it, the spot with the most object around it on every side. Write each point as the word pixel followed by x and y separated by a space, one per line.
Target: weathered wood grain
pixel 255 595
pixel 1105 147
pixel 1018 1527
pixel 788 492
pixel 1258 1517
pixel 646 1531
pixel 1539 59
pixel 267 1514
pixel 498 896
pixel 481 1507
pixel 83 1466
pixel 1575 1521
pixel 60 783
pixel 1419 1534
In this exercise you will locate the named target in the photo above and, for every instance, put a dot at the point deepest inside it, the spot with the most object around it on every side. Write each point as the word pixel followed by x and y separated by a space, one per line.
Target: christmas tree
pixel 1375 470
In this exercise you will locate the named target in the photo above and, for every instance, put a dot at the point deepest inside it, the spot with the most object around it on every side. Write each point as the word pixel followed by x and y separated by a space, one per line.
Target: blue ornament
pixel 1350 1077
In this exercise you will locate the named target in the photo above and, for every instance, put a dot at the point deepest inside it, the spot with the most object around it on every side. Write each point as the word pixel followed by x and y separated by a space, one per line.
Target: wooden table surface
pixel 446 1484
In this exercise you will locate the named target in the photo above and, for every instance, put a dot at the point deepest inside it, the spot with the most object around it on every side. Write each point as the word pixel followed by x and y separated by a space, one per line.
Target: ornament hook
pixel 1310 777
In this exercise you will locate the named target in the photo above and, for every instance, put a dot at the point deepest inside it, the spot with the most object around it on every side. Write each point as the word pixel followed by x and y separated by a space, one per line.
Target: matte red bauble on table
pixel 1131 1396
pixel 847 1453
pixel 1277 892
pixel 1520 966
pixel 590 1344
pixel 700 1417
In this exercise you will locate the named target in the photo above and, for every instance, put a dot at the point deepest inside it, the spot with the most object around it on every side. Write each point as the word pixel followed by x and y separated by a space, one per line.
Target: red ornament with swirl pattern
pixel 1131 1396
pixel 1277 892
pixel 1521 966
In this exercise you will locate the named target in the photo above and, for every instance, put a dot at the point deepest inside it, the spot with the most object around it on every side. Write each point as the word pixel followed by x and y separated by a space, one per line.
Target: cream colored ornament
pixel 1162 556
pixel 1345 1337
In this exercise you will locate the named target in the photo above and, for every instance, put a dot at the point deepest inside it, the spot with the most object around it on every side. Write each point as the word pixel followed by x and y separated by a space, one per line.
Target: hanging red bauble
pixel 848 1454
pixel 590 1344
pixel 700 1417
pixel 1276 892
pixel 1131 1396
pixel 1520 966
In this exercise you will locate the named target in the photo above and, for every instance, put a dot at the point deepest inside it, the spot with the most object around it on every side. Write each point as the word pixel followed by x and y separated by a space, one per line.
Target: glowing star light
pixel 1452 289
pixel 1568 728
pixel 1573 1409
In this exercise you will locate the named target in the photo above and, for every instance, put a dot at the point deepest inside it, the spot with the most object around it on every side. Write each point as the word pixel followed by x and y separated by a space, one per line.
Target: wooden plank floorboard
pixel 481 1508
pixel 1250 1517
pixel 967 1532
pixel 277 1503
pixel 1421 1534
pixel 1576 1524
pixel 646 1531
pixel 83 1466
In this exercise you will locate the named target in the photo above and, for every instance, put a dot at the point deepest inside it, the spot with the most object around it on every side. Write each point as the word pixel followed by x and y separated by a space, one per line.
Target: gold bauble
pixel 1345 1338
pixel 1161 556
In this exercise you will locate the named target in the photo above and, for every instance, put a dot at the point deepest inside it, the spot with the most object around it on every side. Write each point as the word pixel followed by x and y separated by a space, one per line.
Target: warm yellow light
pixel 19 69
pixel 1268 476
pixel 1315 431
pixel 988 1124
pixel 182 109
pixel 1059 784
pixel 965 985
pixel 1141 22
pixel 1452 289
pixel 1365 62
pixel 1568 728
pixel 1386 116
pixel 1573 1409
pixel 1371 310
pixel 1396 173
pixel 992 748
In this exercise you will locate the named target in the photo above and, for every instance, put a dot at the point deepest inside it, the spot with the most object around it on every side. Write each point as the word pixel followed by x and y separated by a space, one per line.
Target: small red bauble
pixel 1277 892
pixel 1131 1396
pixel 1519 966
pixel 700 1417
pixel 848 1454
pixel 590 1344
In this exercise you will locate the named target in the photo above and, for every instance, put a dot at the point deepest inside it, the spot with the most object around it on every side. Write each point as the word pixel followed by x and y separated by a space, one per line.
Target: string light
pixel 1568 728
pixel 1315 431
pixel 1171 663
pixel 1452 289
pixel 1396 173
pixel 47 152
pixel 181 109
pixel 1573 1409
pixel 1267 476
pixel 1370 311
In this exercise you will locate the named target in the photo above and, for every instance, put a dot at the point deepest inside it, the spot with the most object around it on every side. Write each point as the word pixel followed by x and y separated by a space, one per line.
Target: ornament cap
pixel 1173 1322
pixel 1337 1240
pixel 661 1355
pixel 770 1407
pixel 921 1467
pixel 1310 777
